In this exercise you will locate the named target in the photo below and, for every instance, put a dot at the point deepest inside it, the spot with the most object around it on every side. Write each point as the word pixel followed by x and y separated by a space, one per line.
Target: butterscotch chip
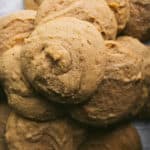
pixel 56 134
pixel 96 12
pixel 32 4
pixel 61 59
pixel 122 138
pixel 20 95
pixel 4 113
pixel 119 94
pixel 121 10
pixel 15 28
pixel 139 22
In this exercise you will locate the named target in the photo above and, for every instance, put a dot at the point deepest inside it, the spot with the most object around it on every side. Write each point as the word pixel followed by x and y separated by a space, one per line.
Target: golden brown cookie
pixel 139 22
pixel 119 94
pixel 4 113
pixel 64 60
pixel 15 28
pixel 121 10
pixel 54 135
pixel 96 12
pixel 32 4
pixel 143 50
pixel 19 93
pixel 124 137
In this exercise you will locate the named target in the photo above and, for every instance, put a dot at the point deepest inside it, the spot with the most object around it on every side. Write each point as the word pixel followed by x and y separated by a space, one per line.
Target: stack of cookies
pixel 74 74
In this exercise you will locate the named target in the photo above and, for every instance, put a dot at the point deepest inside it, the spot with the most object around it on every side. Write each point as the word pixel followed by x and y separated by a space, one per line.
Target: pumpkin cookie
pixel 96 12
pixel 64 60
pixel 57 134
pixel 121 10
pixel 20 95
pixel 15 28
pixel 119 93
pixel 139 23
pixel 32 4
pixel 124 137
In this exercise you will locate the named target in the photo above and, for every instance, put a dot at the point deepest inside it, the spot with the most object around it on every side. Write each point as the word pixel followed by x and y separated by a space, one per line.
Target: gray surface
pixel 144 131
pixel 8 6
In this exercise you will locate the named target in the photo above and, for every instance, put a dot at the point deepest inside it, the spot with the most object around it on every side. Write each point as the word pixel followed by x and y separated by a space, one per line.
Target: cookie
pixel 57 134
pixel 96 12
pixel 138 25
pixel 124 137
pixel 118 96
pixel 32 4
pixel 64 60
pixel 143 51
pixel 15 27
pixel 21 96
pixel 145 112
pixel 121 10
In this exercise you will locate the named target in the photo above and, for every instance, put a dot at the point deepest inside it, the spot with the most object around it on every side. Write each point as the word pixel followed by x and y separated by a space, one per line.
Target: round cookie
pixel 32 4
pixel 144 51
pixel 96 12
pixel 139 23
pixel 145 112
pixel 54 135
pixel 121 10
pixel 119 94
pixel 20 95
pixel 15 28
pixel 4 113
pixel 64 60
pixel 124 137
